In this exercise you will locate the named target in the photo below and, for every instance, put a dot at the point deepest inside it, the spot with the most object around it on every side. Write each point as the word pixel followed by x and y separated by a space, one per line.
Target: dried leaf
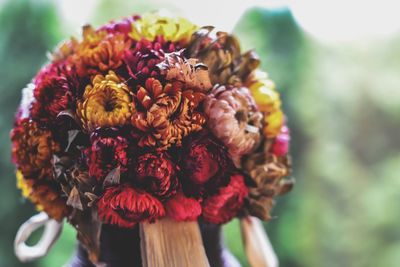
pixel 72 134
pixel 68 113
pixel 194 75
pixel 74 199
pixel 92 198
pixel 113 177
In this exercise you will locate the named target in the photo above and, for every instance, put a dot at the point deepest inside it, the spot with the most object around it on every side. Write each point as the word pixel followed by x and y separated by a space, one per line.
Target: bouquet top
pixel 149 117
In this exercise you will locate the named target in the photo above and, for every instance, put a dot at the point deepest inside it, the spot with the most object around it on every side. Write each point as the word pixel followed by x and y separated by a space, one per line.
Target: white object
pixel 52 230
pixel 257 246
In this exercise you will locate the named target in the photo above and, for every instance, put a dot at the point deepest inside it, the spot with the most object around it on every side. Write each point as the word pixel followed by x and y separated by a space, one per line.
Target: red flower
pixel 53 93
pixel 205 159
pixel 142 60
pixel 125 206
pixel 157 174
pixel 280 146
pixel 182 208
pixel 223 206
pixel 108 150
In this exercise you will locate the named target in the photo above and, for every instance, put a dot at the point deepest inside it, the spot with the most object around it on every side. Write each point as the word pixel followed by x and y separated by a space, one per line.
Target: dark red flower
pixel 108 150
pixel 182 208
pixel 125 206
pixel 223 206
pixel 205 159
pixel 141 61
pixel 53 93
pixel 280 146
pixel 157 174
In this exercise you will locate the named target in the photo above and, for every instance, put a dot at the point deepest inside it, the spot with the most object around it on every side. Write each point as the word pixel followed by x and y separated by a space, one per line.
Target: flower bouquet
pixel 147 118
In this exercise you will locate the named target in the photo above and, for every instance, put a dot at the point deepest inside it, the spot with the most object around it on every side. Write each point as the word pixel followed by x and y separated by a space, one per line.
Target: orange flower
pixel 168 114
pixel 106 103
pixel 32 149
pixel 44 196
pixel 99 51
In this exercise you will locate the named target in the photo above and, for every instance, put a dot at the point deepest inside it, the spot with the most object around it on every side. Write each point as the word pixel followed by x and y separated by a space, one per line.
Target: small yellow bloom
pixel 26 187
pixel 107 102
pixel 268 102
pixel 172 29
pixel 23 185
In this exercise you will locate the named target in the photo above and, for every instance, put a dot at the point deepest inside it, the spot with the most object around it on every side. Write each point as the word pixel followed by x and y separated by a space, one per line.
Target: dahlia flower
pixel 107 102
pixel 267 172
pixel 234 119
pixel 126 206
pixel 172 29
pixel 64 50
pixel 99 51
pixel 192 74
pixel 32 149
pixel 53 93
pixel 108 150
pixel 223 206
pixel 141 61
pixel 220 51
pixel 156 173
pixel 165 115
pixel 204 159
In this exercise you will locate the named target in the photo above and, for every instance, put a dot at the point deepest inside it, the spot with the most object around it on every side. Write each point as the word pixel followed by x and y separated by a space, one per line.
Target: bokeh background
pixel 337 66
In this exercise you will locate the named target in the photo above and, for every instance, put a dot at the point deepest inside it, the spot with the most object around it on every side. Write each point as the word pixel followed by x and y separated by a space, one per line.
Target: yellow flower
pixel 268 102
pixel 23 185
pixel 172 29
pixel 106 102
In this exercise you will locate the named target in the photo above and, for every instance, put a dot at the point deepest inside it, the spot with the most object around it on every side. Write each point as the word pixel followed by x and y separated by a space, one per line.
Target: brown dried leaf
pixel 190 72
pixel 113 177
pixel 74 199
pixel 92 198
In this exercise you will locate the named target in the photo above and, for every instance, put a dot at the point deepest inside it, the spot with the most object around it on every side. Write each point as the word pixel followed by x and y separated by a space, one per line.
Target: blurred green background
pixel 343 103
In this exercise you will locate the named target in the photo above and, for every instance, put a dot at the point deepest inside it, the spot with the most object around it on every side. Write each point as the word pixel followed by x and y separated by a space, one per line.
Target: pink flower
pixel 280 146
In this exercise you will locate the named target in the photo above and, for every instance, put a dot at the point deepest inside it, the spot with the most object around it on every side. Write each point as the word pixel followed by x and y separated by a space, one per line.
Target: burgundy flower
pixel 223 206
pixel 205 159
pixel 125 206
pixel 182 208
pixel 142 60
pixel 157 174
pixel 55 86
pixel 280 146
pixel 108 150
